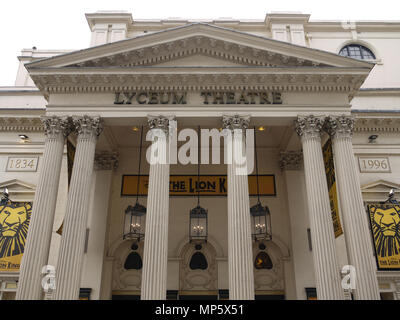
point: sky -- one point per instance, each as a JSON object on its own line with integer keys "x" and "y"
{"x": 56, "y": 24}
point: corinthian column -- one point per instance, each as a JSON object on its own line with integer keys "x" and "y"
{"x": 326, "y": 266}
{"x": 155, "y": 257}
{"x": 357, "y": 236}
{"x": 240, "y": 254}
{"x": 39, "y": 235}
{"x": 69, "y": 265}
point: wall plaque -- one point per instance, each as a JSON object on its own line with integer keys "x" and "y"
{"x": 374, "y": 164}
{"x": 22, "y": 164}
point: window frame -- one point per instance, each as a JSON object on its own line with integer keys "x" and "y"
{"x": 361, "y": 47}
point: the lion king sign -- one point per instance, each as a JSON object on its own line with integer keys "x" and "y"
{"x": 14, "y": 222}
{"x": 385, "y": 224}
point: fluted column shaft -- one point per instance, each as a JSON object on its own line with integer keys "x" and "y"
{"x": 70, "y": 259}
{"x": 40, "y": 228}
{"x": 155, "y": 256}
{"x": 327, "y": 273}
{"x": 240, "y": 254}
{"x": 358, "y": 239}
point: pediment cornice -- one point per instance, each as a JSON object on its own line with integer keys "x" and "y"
{"x": 203, "y": 45}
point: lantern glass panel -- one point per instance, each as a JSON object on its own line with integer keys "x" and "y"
{"x": 261, "y": 222}
{"x": 198, "y": 224}
{"x": 135, "y": 220}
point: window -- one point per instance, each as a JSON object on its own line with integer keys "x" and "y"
{"x": 357, "y": 51}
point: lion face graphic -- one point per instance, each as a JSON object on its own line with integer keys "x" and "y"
{"x": 14, "y": 221}
{"x": 386, "y": 229}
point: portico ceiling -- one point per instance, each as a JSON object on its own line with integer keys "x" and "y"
{"x": 270, "y": 137}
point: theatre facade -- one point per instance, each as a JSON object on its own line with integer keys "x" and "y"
{"x": 119, "y": 176}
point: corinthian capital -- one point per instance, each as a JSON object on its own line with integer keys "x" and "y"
{"x": 161, "y": 122}
{"x": 309, "y": 126}
{"x": 340, "y": 126}
{"x": 235, "y": 122}
{"x": 87, "y": 126}
{"x": 54, "y": 125}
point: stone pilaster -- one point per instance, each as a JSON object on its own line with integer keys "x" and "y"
{"x": 39, "y": 235}
{"x": 357, "y": 234}
{"x": 326, "y": 266}
{"x": 155, "y": 257}
{"x": 69, "y": 265}
{"x": 240, "y": 257}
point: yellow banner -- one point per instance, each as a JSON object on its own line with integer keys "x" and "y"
{"x": 209, "y": 185}
{"x": 14, "y": 222}
{"x": 385, "y": 225}
{"x": 331, "y": 179}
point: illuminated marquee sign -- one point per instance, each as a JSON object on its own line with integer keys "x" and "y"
{"x": 206, "y": 97}
{"x": 209, "y": 185}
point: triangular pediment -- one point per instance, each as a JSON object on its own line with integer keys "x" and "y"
{"x": 18, "y": 190}
{"x": 198, "y": 56}
{"x": 380, "y": 186}
{"x": 379, "y": 190}
{"x": 176, "y": 44}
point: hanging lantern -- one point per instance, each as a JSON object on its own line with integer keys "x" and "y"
{"x": 135, "y": 219}
{"x": 261, "y": 222}
{"x": 198, "y": 223}
{"x": 4, "y": 197}
{"x": 135, "y": 216}
{"x": 198, "y": 226}
{"x": 261, "y": 216}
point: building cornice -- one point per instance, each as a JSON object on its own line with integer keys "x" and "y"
{"x": 68, "y": 80}
{"x": 381, "y": 124}
{"x": 25, "y": 124}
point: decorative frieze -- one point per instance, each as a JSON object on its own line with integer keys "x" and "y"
{"x": 268, "y": 80}
{"x": 387, "y": 125}
{"x": 21, "y": 124}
